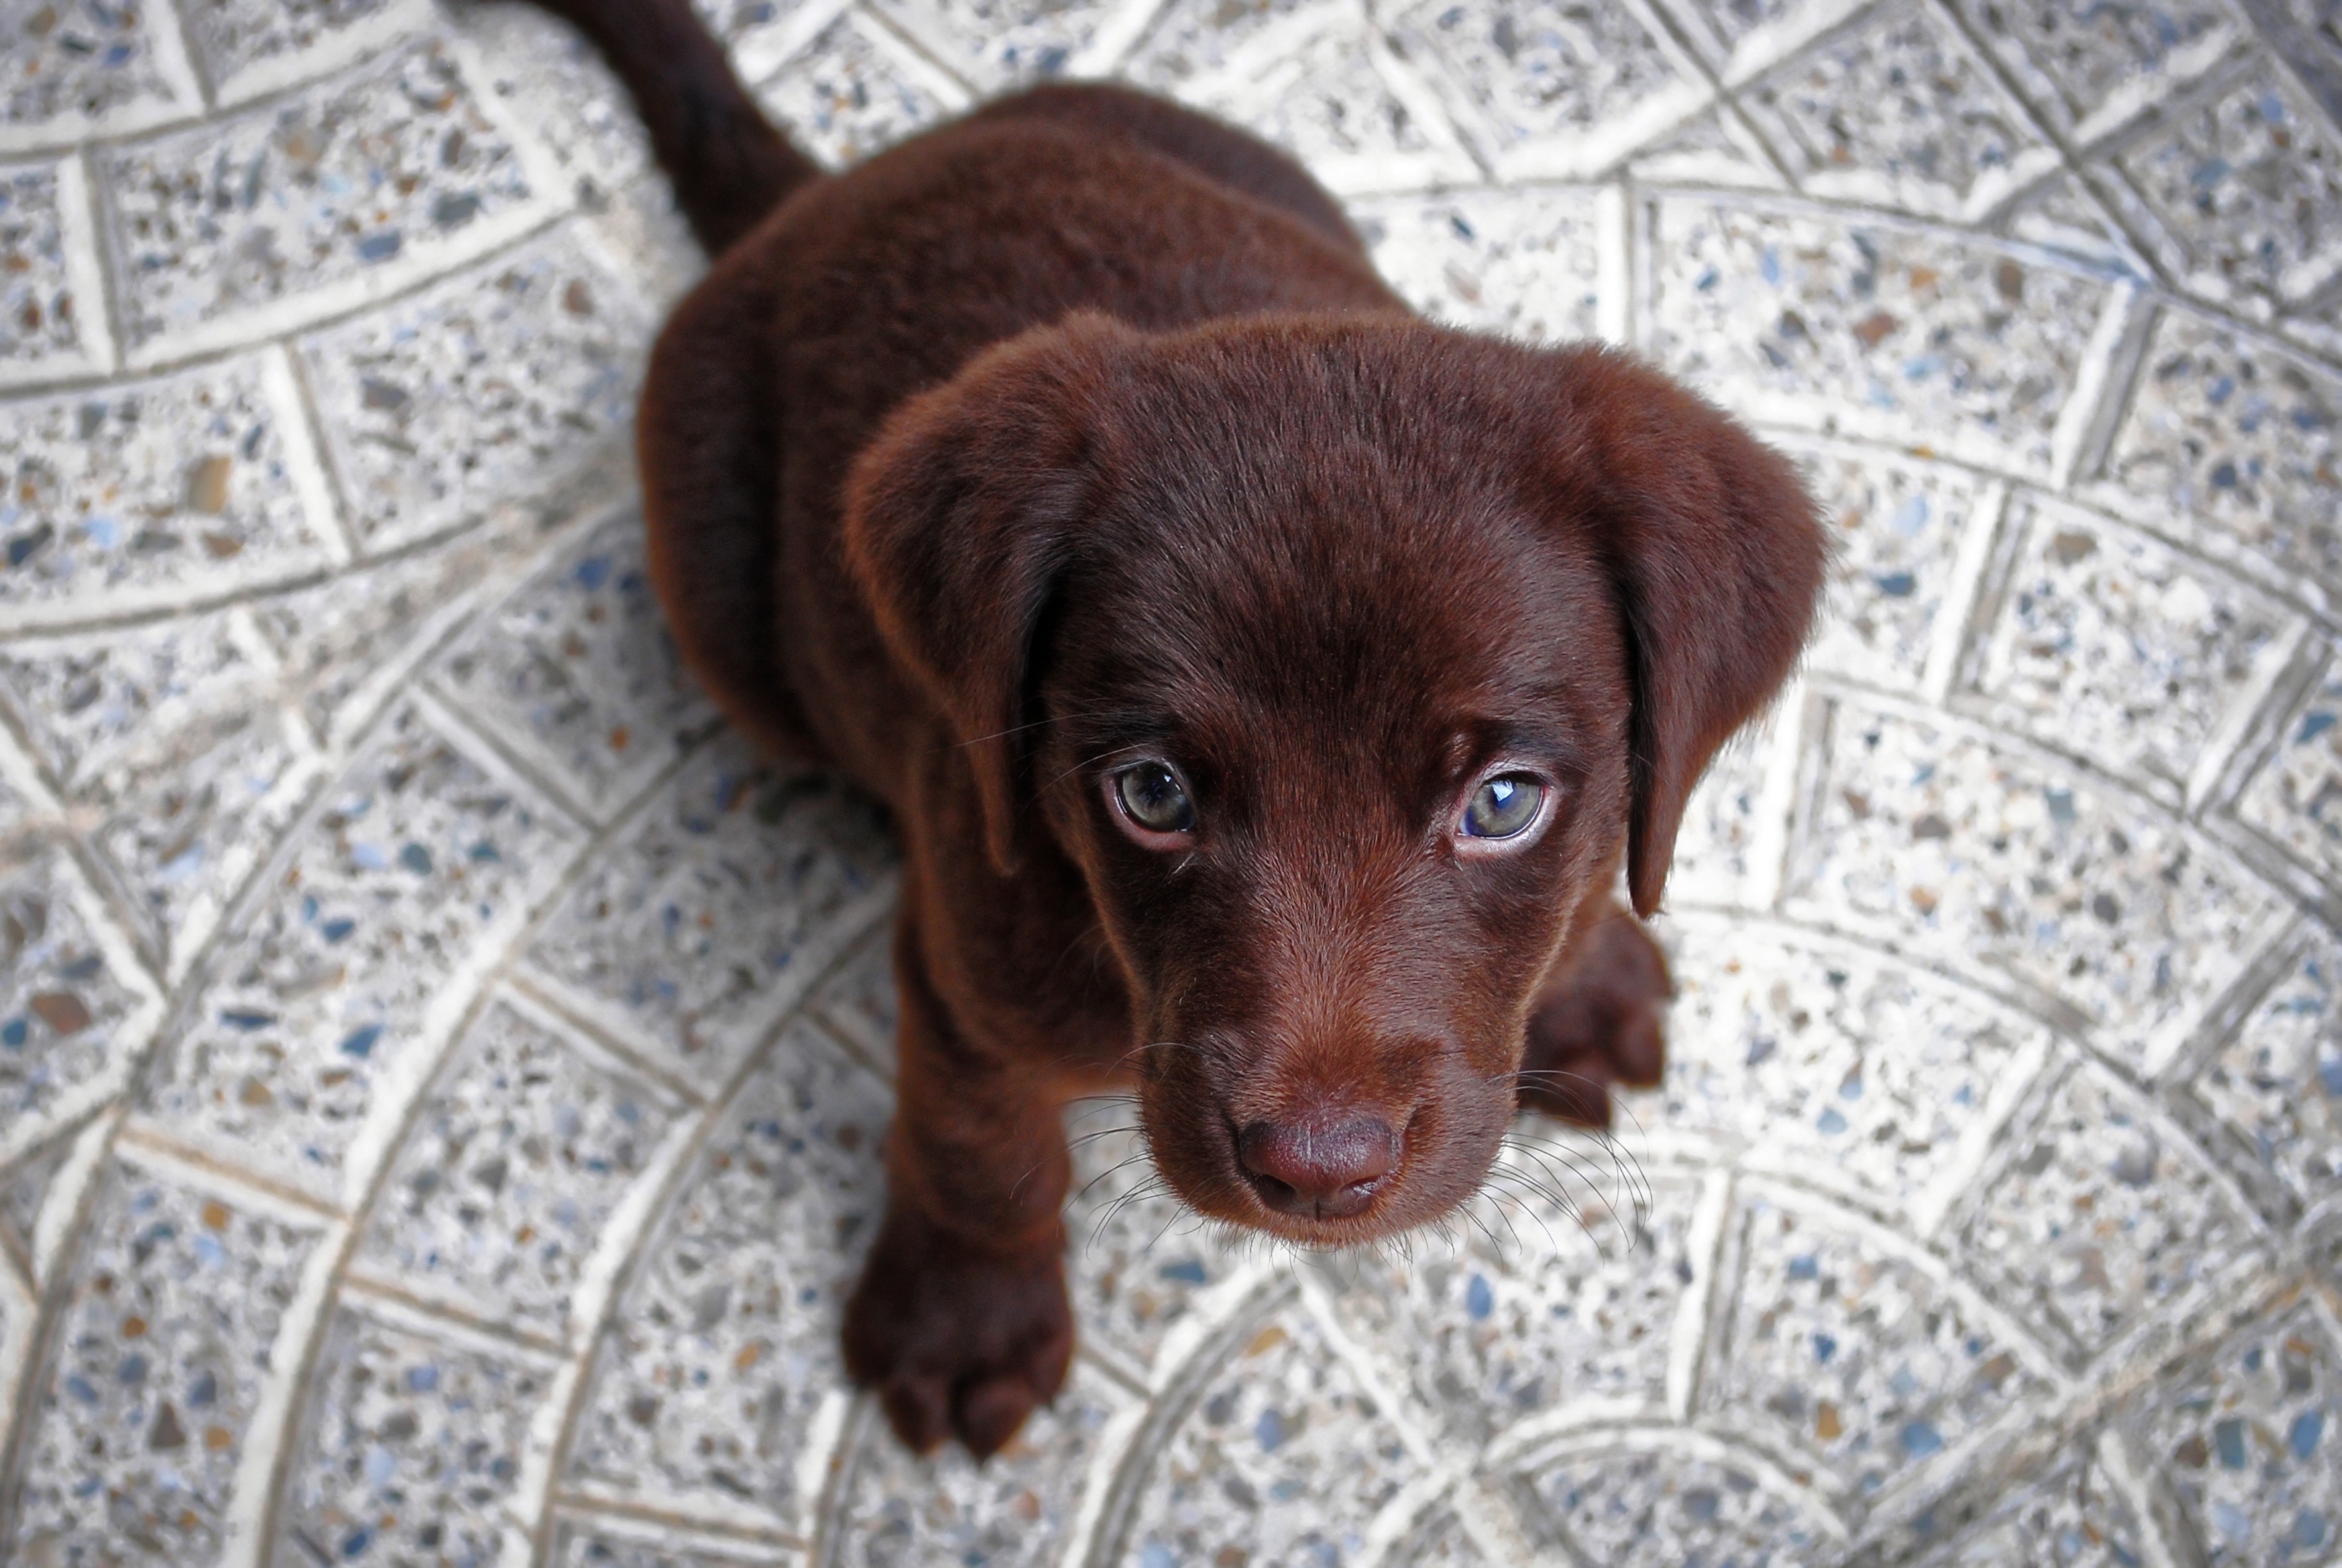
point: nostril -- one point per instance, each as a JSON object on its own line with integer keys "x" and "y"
{"x": 1329, "y": 1170}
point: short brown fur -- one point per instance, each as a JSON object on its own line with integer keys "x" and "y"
{"x": 1081, "y": 430}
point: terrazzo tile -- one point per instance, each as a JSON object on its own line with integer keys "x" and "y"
{"x": 1440, "y": 1541}
{"x": 1841, "y": 1067}
{"x": 1900, "y": 114}
{"x": 2246, "y": 1436}
{"x": 2010, "y": 866}
{"x": 858, "y": 1002}
{"x": 2063, "y": 214}
{"x": 409, "y": 1447}
{"x": 1525, "y": 266}
{"x": 188, "y": 826}
{"x": 313, "y": 203}
{"x": 1540, "y": 1306}
{"x": 138, "y": 1422}
{"x": 251, "y": 46}
{"x": 23, "y": 1193}
{"x": 578, "y": 1543}
{"x": 577, "y": 665}
{"x": 2294, "y": 798}
{"x": 2278, "y": 1083}
{"x": 1019, "y": 1509}
{"x": 2249, "y": 182}
{"x": 2088, "y": 66}
{"x": 548, "y": 78}
{"x": 1631, "y": 1506}
{"x": 725, "y": 1344}
{"x": 688, "y": 930}
{"x": 1320, "y": 84}
{"x": 1897, "y": 529}
{"x": 444, "y": 402}
{"x": 43, "y": 332}
{"x": 1285, "y": 1458}
{"x": 1000, "y": 43}
{"x": 1807, "y": 319}
{"x": 75, "y": 1012}
{"x": 162, "y": 491}
{"x": 2240, "y": 438}
{"x": 2115, "y": 647}
{"x": 761, "y": 35}
{"x": 855, "y": 91}
{"x": 1139, "y": 1264}
{"x": 348, "y": 644}
{"x": 81, "y": 66}
{"x": 420, "y": 862}
{"x": 97, "y": 701}
{"x": 1715, "y": 149}
{"x": 517, "y": 1159}
{"x": 2104, "y": 1214}
{"x": 1552, "y": 87}
{"x": 2075, "y": 1518}
{"x": 1199, "y": 38}
{"x": 1855, "y": 1354}
{"x": 1728, "y": 849}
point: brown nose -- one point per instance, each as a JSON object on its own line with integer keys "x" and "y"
{"x": 1328, "y": 1170}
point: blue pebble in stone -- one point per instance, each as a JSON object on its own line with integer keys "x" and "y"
{"x": 2229, "y": 1438}
{"x": 2307, "y": 1428}
{"x": 1920, "y": 1439}
{"x": 1479, "y": 1300}
{"x": 1269, "y": 1431}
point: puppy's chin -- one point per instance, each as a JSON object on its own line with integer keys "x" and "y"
{"x": 1446, "y": 1151}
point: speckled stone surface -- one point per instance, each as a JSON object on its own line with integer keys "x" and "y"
{"x": 442, "y": 1072}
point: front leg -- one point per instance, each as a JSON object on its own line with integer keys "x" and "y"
{"x": 1600, "y": 1020}
{"x": 960, "y": 1322}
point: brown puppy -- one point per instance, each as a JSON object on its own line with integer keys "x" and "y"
{"x": 1266, "y": 685}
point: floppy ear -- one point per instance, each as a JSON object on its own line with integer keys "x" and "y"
{"x": 959, "y": 517}
{"x": 1716, "y": 557}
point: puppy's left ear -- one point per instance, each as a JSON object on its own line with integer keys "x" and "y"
{"x": 960, "y": 516}
{"x": 1715, "y": 556}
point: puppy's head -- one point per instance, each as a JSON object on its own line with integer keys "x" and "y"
{"x": 1344, "y": 658}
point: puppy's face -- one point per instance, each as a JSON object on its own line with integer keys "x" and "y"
{"x": 1342, "y": 658}
{"x": 1338, "y": 749}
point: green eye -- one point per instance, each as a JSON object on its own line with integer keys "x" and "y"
{"x": 1151, "y": 795}
{"x": 1503, "y": 807}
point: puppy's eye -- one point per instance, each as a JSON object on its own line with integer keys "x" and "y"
{"x": 1152, "y": 796}
{"x": 1503, "y": 806}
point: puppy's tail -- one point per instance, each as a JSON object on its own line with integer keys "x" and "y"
{"x": 729, "y": 165}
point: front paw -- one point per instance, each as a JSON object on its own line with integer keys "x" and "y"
{"x": 955, "y": 1343}
{"x": 1600, "y": 1020}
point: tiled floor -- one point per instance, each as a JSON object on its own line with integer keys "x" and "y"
{"x": 440, "y": 1073}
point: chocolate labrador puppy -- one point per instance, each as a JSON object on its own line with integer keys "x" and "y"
{"x": 1267, "y": 684}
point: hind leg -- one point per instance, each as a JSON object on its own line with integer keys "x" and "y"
{"x": 706, "y": 442}
{"x": 1599, "y": 1021}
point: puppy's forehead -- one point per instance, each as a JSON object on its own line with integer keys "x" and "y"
{"x": 1378, "y": 613}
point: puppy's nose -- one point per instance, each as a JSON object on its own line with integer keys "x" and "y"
{"x": 1328, "y": 1170}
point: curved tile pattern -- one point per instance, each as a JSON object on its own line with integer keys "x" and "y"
{"x": 442, "y": 1074}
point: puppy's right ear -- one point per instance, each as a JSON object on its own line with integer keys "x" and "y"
{"x": 959, "y": 518}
